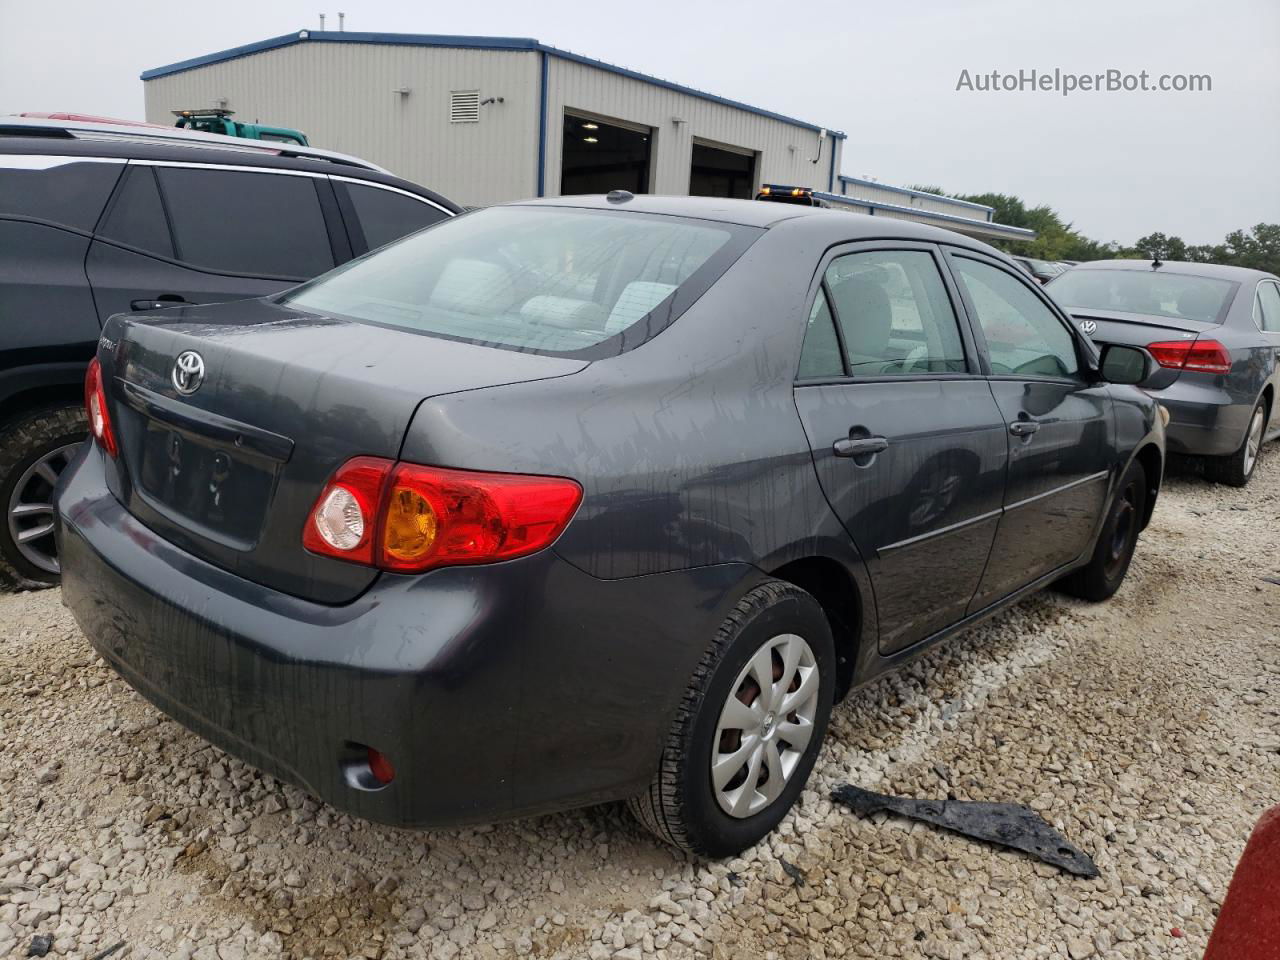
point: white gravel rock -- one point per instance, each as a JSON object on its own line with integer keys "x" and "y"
{"x": 1145, "y": 728}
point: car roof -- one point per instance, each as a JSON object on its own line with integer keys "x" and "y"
{"x": 106, "y": 130}
{"x": 13, "y": 142}
{"x": 837, "y": 225}
{"x": 1217, "y": 271}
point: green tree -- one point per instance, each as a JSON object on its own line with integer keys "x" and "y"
{"x": 1156, "y": 246}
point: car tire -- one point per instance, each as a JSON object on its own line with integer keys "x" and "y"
{"x": 1106, "y": 569}
{"x": 683, "y": 805}
{"x": 1236, "y": 469}
{"x": 34, "y": 446}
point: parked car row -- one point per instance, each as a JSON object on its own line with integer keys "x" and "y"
{"x": 554, "y": 503}
{"x": 1044, "y": 270}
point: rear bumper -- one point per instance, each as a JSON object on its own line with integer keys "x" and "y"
{"x": 496, "y": 691}
{"x": 1204, "y": 419}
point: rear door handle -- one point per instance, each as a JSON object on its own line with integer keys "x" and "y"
{"x": 864, "y": 446}
{"x": 1023, "y": 428}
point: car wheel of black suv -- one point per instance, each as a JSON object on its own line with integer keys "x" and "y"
{"x": 1236, "y": 469}
{"x": 749, "y": 728}
{"x": 1119, "y": 535}
{"x": 37, "y": 446}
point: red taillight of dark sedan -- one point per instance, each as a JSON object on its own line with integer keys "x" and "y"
{"x": 408, "y": 518}
{"x": 95, "y": 405}
{"x": 1198, "y": 356}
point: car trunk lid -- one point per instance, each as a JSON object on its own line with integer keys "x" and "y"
{"x": 230, "y": 468}
{"x": 1139, "y": 330}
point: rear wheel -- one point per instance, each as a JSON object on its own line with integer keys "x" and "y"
{"x": 36, "y": 448}
{"x": 1236, "y": 469}
{"x": 1111, "y": 556}
{"x": 749, "y": 728}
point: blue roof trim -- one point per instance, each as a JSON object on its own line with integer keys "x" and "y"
{"x": 915, "y": 193}
{"x": 467, "y": 43}
{"x": 1014, "y": 233}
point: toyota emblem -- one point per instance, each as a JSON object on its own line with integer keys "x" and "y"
{"x": 188, "y": 372}
{"x": 1088, "y": 327}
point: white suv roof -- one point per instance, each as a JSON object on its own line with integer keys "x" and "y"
{"x": 86, "y": 130}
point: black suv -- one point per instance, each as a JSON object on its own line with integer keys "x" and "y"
{"x": 97, "y": 220}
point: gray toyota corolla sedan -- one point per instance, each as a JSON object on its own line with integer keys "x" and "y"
{"x": 592, "y": 498}
{"x": 1214, "y": 332}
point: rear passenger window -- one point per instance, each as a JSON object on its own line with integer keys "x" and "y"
{"x": 386, "y": 215}
{"x": 1269, "y": 300}
{"x": 247, "y": 223}
{"x": 1023, "y": 335}
{"x": 820, "y": 355}
{"x": 58, "y": 189}
{"x": 894, "y": 314}
{"x": 136, "y": 217}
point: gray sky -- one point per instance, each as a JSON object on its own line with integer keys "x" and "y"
{"x": 1117, "y": 164}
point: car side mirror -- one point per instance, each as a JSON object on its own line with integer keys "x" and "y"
{"x": 1122, "y": 364}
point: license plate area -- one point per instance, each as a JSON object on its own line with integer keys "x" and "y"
{"x": 220, "y": 491}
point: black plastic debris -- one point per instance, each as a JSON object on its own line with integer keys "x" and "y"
{"x": 1007, "y": 824}
{"x": 102, "y": 955}
{"x": 40, "y": 946}
{"x": 792, "y": 871}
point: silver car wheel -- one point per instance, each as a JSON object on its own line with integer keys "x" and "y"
{"x": 765, "y": 725}
{"x": 1253, "y": 442}
{"x": 31, "y": 508}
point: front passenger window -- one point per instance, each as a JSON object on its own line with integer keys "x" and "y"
{"x": 1023, "y": 335}
{"x": 894, "y": 314}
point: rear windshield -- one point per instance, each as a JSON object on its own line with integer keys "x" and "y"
{"x": 1177, "y": 296}
{"x": 563, "y": 281}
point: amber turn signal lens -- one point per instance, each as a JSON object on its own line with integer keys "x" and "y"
{"x": 410, "y": 526}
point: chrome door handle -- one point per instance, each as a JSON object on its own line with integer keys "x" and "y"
{"x": 1023, "y": 428}
{"x": 864, "y": 446}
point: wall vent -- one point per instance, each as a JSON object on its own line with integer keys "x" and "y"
{"x": 464, "y": 106}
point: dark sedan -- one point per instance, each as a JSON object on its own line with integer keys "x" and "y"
{"x": 576, "y": 500}
{"x": 1214, "y": 332}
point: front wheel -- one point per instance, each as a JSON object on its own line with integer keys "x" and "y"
{"x": 749, "y": 727}
{"x": 1236, "y": 469}
{"x": 1111, "y": 557}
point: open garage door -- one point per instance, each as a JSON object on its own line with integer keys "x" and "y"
{"x": 721, "y": 172}
{"x": 599, "y": 157}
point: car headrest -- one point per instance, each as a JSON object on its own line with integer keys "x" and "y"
{"x": 566, "y": 312}
{"x": 637, "y": 299}
{"x": 866, "y": 317}
{"x": 473, "y": 286}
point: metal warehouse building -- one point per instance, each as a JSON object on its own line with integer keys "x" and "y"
{"x": 489, "y": 119}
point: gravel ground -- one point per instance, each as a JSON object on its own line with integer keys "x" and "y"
{"x": 1146, "y": 728}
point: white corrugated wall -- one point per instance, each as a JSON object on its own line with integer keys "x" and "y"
{"x": 342, "y": 96}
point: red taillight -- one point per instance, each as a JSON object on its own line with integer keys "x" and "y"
{"x": 409, "y": 518}
{"x": 95, "y": 405}
{"x": 380, "y": 766}
{"x": 343, "y": 523}
{"x": 1200, "y": 356}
